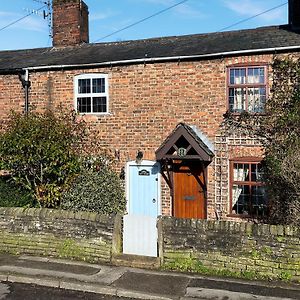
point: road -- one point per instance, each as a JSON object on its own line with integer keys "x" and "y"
{"x": 19, "y": 291}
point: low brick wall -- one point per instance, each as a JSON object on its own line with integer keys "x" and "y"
{"x": 223, "y": 247}
{"x": 83, "y": 236}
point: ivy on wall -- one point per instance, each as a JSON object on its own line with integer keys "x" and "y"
{"x": 279, "y": 132}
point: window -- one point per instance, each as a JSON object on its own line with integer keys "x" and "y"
{"x": 91, "y": 93}
{"x": 248, "y": 195}
{"x": 247, "y": 89}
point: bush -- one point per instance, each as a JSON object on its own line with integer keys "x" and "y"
{"x": 95, "y": 190}
{"x": 13, "y": 196}
{"x": 40, "y": 151}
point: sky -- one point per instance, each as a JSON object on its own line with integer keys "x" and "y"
{"x": 108, "y": 16}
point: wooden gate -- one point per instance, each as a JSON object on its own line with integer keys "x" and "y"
{"x": 143, "y": 207}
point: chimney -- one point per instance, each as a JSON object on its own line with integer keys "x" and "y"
{"x": 70, "y": 23}
{"x": 294, "y": 14}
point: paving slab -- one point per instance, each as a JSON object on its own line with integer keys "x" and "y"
{"x": 256, "y": 289}
{"x": 153, "y": 283}
{"x": 216, "y": 294}
{"x": 54, "y": 266}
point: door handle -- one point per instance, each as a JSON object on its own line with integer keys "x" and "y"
{"x": 153, "y": 200}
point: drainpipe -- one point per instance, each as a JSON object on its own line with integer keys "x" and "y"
{"x": 26, "y": 85}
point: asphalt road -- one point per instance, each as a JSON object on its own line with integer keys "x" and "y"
{"x": 19, "y": 291}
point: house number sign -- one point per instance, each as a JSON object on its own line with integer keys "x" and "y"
{"x": 181, "y": 152}
{"x": 144, "y": 173}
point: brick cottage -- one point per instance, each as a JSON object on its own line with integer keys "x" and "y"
{"x": 159, "y": 104}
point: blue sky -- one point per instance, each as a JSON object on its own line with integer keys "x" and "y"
{"x": 107, "y": 16}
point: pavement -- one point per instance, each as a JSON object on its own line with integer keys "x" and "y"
{"x": 136, "y": 283}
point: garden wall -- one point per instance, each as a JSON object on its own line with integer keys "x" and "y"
{"x": 83, "y": 236}
{"x": 205, "y": 246}
{"x": 230, "y": 248}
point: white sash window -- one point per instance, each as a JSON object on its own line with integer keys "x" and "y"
{"x": 91, "y": 93}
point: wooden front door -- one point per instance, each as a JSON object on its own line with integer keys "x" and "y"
{"x": 189, "y": 190}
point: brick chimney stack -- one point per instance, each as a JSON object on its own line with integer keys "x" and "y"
{"x": 70, "y": 23}
{"x": 294, "y": 14}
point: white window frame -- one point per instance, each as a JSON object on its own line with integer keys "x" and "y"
{"x": 77, "y": 95}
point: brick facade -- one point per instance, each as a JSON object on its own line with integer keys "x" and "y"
{"x": 146, "y": 102}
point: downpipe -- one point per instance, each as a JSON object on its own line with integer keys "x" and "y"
{"x": 24, "y": 78}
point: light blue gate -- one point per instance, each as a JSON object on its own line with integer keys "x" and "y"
{"x": 143, "y": 207}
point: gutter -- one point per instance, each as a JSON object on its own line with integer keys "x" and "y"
{"x": 149, "y": 60}
{"x": 162, "y": 59}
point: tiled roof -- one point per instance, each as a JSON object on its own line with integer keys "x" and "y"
{"x": 210, "y": 44}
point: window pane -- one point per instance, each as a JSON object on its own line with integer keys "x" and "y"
{"x": 99, "y": 104}
{"x": 84, "y": 86}
{"x": 241, "y": 199}
{"x": 256, "y": 99}
{"x": 84, "y": 105}
{"x": 256, "y": 75}
{"x": 256, "y": 172}
{"x": 99, "y": 85}
{"x": 240, "y": 172}
{"x": 238, "y": 76}
{"x": 237, "y": 99}
{"x": 258, "y": 201}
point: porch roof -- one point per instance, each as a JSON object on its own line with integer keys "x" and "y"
{"x": 193, "y": 143}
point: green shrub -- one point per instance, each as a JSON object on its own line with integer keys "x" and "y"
{"x": 96, "y": 190}
{"x": 40, "y": 151}
{"x": 13, "y": 196}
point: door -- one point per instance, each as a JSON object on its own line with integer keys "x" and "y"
{"x": 143, "y": 207}
{"x": 189, "y": 190}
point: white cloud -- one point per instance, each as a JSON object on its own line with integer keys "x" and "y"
{"x": 33, "y": 24}
{"x": 4, "y": 14}
{"x": 182, "y": 10}
{"x": 30, "y": 23}
{"x": 187, "y": 11}
{"x": 102, "y": 15}
{"x": 163, "y": 2}
{"x": 249, "y": 8}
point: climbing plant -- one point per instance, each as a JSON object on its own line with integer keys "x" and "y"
{"x": 279, "y": 132}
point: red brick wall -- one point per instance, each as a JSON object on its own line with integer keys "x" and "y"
{"x": 146, "y": 103}
{"x": 11, "y": 95}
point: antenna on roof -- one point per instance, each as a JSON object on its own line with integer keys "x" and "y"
{"x": 46, "y": 14}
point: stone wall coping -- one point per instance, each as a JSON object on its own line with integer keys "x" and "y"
{"x": 53, "y": 214}
{"x": 244, "y": 228}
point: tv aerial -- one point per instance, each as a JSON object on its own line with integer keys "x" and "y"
{"x": 46, "y": 13}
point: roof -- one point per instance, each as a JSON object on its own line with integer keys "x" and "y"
{"x": 262, "y": 39}
{"x": 191, "y": 140}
